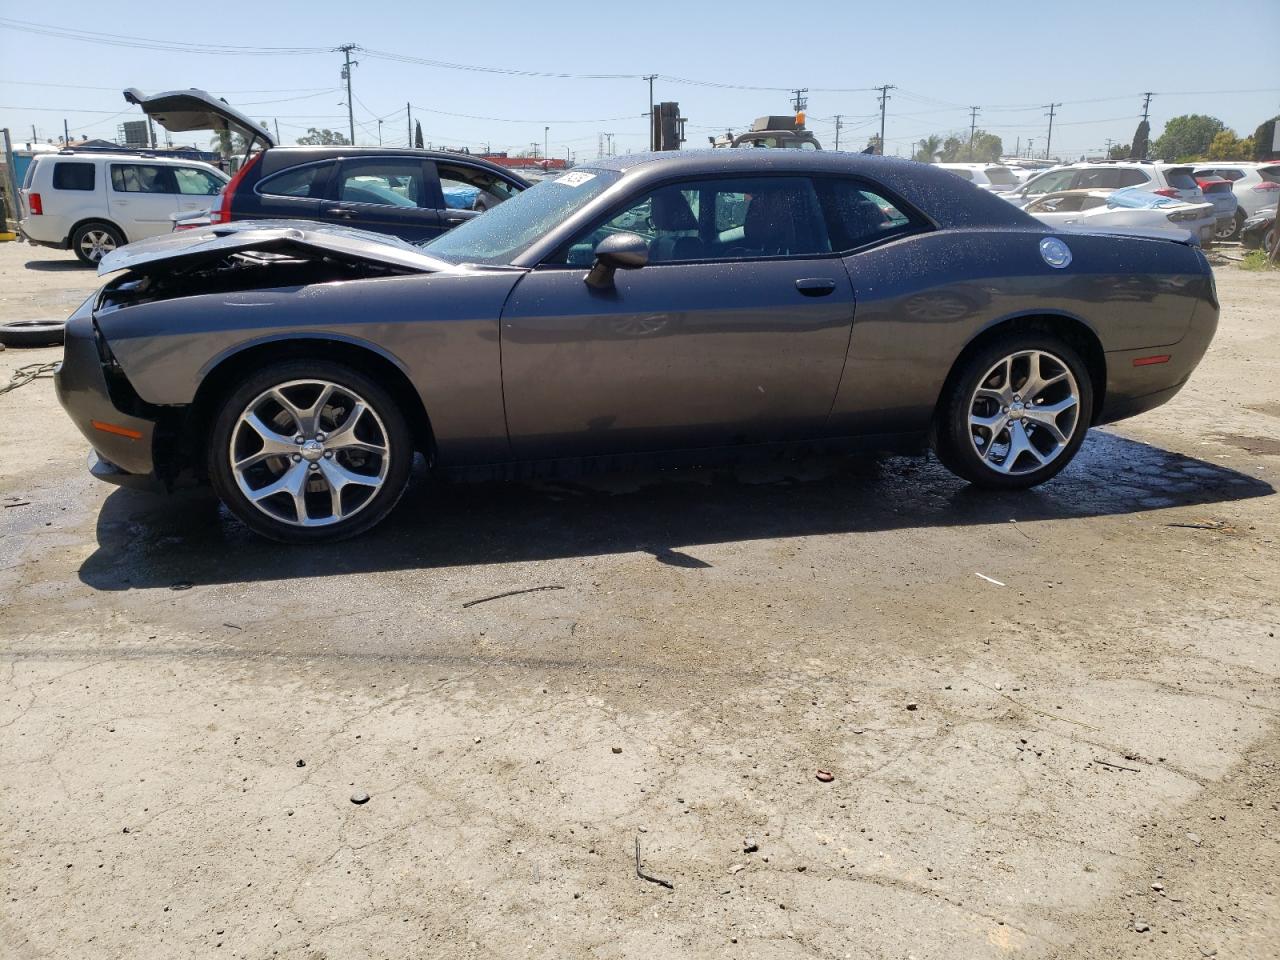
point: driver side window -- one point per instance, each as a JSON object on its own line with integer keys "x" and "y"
{"x": 723, "y": 219}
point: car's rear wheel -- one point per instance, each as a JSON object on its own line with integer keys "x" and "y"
{"x": 310, "y": 451}
{"x": 94, "y": 240}
{"x": 1016, "y": 412}
{"x": 1232, "y": 230}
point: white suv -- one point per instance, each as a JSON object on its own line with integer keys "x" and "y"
{"x": 1167, "y": 179}
{"x": 1256, "y": 186}
{"x": 94, "y": 202}
{"x": 993, "y": 177}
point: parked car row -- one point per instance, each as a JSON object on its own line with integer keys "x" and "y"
{"x": 93, "y": 203}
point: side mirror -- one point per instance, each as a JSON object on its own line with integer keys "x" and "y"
{"x": 620, "y": 251}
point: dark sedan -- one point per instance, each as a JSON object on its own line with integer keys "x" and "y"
{"x": 411, "y": 194}
{"x": 675, "y": 306}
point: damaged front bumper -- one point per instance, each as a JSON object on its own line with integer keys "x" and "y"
{"x": 123, "y": 440}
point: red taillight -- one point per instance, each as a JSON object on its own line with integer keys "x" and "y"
{"x": 223, "y": 213}
{"x": 1267, "y": 185}
{"x": 36, "y": 205}
{"x": 1166, "y": 192}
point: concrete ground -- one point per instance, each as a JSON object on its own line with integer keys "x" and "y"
{"x": 1051, "y": 717}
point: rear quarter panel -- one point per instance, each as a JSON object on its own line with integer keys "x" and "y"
{"x": 441, "y": 330}
{"x": 922, "y": 299}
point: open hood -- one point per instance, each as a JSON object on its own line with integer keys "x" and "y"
{"x": 271, "y": 236}
{"x": 181, "y": 110}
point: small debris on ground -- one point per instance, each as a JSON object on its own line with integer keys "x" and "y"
{"x": 359, "y": 797}
{"x": 616, "y": 749}
{"x": 749, "y": 845}
{"x": 1141, "y": 926}
{"x": 826, "y": 776}
{"x": 644, "y": 876}
{"x": 912, "y": 705}
{"x": 301, "y": 763}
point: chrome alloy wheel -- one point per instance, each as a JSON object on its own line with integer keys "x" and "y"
{"x": 1024, "y": 412}
{"x": 309, "y": 453}
{"x": 96, "y": 244}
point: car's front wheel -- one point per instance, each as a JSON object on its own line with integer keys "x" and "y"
{"x": 308, "y": 451}
{"x": 1015, "y": 413}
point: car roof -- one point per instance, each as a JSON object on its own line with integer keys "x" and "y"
{"x": 283, "y": 157}
{"x": 939, "y": 194}
{"x": 134, "y": 157}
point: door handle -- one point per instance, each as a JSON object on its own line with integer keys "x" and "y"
{"x": 340, "y": 212}
{"x": 816, "y": 286}
{"x": 455, "y": 220}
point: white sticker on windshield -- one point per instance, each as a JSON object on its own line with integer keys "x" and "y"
{"x": 574, "y": 179}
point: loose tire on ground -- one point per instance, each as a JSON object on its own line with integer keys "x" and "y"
{"x": 309, "y": 451}
{"x": 991, "y": 412}
{"x": 32, "y": 333}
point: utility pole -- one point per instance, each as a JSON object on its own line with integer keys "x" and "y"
{"x": 33, "y": 135}
{"x": 1017, "y": 151}
{"x": 408, "y": 112}
{"x": 1030, "y": 141}
{"x": 653, "y": 133}
{"x": 838, "y": 125}
{"x": 1108, "y": 149}
{"x": 346, "y": 49}
{"x": 798, "y": 98}
{"x": 379, "y": 131}
{"x": 1146, "y": 105}
{"x": 66, "y": 133}
{"x": 973, "y": 127}
{"x": 546, "y": 142}
{"x": 277, "y": 123}
{"x": 884, "y": 99}
{"x": 1053, "y": 108}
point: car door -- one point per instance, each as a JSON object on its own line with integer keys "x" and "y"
{"x": 735, "y": 331}
{"x": 142, "y": 199}
{"x": 396, "y": 195}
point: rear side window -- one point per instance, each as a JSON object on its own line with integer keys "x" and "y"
{"x": 1101, "y": 178}
{"x": 960, "y": 172}
{"x": 1230, "y": 173}
{"x": 1132, "y": 178}
{"x": 1180, "y": 178}
{"x": 856, "y": 215}
{"x": 74, "y": 176}
{"x": 142, "y": 178}
{"x": 304, "y": 182}
{"x": 1001, "y": 176}
{"x": 1269, "y": 174}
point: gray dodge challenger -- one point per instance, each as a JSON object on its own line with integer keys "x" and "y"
{"x": 674, "y": 307}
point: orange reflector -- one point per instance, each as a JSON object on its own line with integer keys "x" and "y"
{"x": 118, "y": 431}
{"x": 1147, "y": 361}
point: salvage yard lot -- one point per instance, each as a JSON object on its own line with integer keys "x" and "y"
{"x": 1051, "y": 716}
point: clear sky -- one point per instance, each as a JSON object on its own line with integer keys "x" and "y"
{"x": 1095, "y": 58}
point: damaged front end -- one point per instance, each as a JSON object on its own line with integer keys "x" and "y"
{"x": 147, "y": 442}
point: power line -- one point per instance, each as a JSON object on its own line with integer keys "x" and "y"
{"x": 117, "y": 40}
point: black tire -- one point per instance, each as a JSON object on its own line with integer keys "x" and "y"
{"x": 83, "y": 235}
{"x": 1236, "y": 223}
{"x": 388, "y": 419}
{"x": 32, "y": 333}
{"x": 953, "y": 436}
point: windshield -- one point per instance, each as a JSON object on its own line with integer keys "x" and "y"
{"x": 500, "y": 235}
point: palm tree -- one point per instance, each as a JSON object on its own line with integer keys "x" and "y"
{"x": 929, "y": 148}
